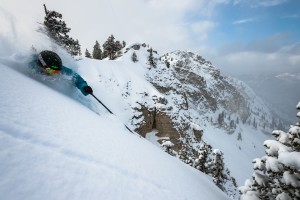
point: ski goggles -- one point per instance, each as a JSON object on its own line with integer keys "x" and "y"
{"x": 52, "y": 70}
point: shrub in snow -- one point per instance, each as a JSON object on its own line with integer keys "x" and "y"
{"x": 167, "y": 146}
{"x": 134, "y": 57}
{"x": 277, "y": 174}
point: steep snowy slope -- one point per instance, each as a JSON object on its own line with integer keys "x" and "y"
{"x": 55, "y": 147}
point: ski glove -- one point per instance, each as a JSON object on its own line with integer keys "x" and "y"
{"x": 88, "y": 90}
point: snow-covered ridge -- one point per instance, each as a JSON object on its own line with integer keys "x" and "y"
{"x": 210, "y": 91}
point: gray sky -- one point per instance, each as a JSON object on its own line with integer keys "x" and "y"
{"x": 240, "y": 36}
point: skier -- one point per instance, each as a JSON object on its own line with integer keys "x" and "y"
{"x": 49, "y": 63}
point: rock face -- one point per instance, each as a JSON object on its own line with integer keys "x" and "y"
{"x": 192, "y": 89}
{"x": 152, "y": 118}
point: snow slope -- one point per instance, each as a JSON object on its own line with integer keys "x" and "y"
{"x": 53, "y": 146}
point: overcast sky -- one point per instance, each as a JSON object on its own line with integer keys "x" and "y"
{"x": 235, "y": 35}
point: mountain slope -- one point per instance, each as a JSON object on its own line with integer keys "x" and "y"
{"x": 54, "y": 147}
{"x": 180, "y": 100}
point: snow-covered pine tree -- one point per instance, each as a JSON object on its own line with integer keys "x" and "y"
{"x": 201, "y": 161}
{"x": 58, "y": 31}
{"x": 277, "y": 174}
{"x": 218, "y": 168}
{"x": 87, "y": 54}
{"x": 186, "y": 152}
{"x": 134, "y": 57}
{"x": 97, "y": 52}
{"x": 112, "y": 49}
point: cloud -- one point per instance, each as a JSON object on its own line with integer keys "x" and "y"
{"x": 243, "y": 21}
{"x": 176, "y": 5}
{"x": 292, "y": 16}
{"x": 167, "y": 25}
{"x": 269, "y": 44}
{"x": 164, "y": 24}
{"x": 274, "y": 54}
{"x": 257, "y": 63}
{"x": 284, "y": 59}
{"x": 202, "y": 28}
{"x": 207, "y": 8}
{"x": 259, "y": 3}
{"x": 268, "y": 3}
{"x": 294, "y": 60}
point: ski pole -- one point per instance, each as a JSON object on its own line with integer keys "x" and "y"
{"x": 108, "y": 110}
{"x": 102, "y": 104}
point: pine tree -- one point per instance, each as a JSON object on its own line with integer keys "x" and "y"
{"x": 97, "y": 52}
{"x": 221, "y": 117}
{"x": 87, "y": 54}
{"x": 58, "y": 31}
{"x": 74, "y": 49}
{"x": 151, "y": 59}
{"x": 185, "y": 154}
{"x": 218, "y": 168}
{"x": 277, "y": 174}
{"x": 134, "y": 57}
{"x": 201, "y": 161}
{"x": 117, "y": 50}
{"x": 232, "y": 124}
{"x": 239, "y": 137}
{"x": 112, "y": 49}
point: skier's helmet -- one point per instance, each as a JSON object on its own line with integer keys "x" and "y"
{"x": 50, "y": 62}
